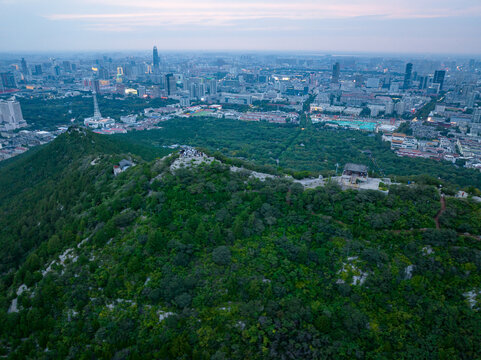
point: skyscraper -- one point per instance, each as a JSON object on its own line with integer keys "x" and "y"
{"x": 24, "y": 67}
{"x": 336, "y": 71}
{"x": 155, "y": 60}
{"x": 213, "y": 87}
{"x": 423, "y": 82}
{"x": 96, "y": 86}
{"x": 439, "y": 78}
{"x": 7, "y": 81}
{"x": 171, "y": 84}
{"x": 67, "y": 66}
{"x": 38, "y": 70}
{"x": 104, "y": 73}
{"x": 407, "y": 76}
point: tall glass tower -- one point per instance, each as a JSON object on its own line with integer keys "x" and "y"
{"x": 155, "y": 59}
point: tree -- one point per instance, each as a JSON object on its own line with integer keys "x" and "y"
{"x": 54, "y": 245}
{"x": 201, "y": 233}
{"x": 221, "y": 255}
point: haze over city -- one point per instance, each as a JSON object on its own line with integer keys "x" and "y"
{"x": 240, "y": 179}
{"x": 425, "y": 26}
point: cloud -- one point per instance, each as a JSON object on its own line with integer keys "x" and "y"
{"x": 420, "y": 25}
{"x": 147, "y": 13}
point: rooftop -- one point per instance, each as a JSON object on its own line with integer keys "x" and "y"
{"x": 356, "y": 168}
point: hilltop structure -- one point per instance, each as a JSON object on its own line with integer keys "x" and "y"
{"x": 354, "y": 173}
{"x": 98, "y": 121}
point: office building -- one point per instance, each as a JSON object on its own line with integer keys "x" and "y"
{"x": 477, "y": 116}
{"x": 336, "y": 71}
{"x": 24, "y": 67}
{"x": 7, "y": 81}
{"x": 213, "y": 87}
{"x": 38, "y": 70}
{"x": 423, "y": 82}
{"x": 96, "y": 86}
{"x": 171, "y": 84}
{"x": 67, "y": 66}
{"x": 197, "y": 91}
{"x": 407, "y": 76}
{"x": 104, "y": 73}
{"x": 155, "y": 60}
{"x": 439, "y": 78}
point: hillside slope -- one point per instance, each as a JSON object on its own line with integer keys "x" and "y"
{"x": 207, "y": 263}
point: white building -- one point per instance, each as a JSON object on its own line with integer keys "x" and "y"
{"x": 129, "y": 119}
{"x": 11, "y": 117}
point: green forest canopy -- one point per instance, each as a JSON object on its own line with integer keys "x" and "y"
{"x": 206, "y": 263}
{"x": 314, "y": 148}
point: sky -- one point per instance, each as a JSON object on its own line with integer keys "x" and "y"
{"x": 381, "y": 26}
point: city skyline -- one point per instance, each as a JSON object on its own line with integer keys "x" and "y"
{"x": 426, "y": 26}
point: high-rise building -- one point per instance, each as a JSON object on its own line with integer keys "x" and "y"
{"x": 67, "y": 66}
{"x": 423, "y": 82}
{"x": 470, "y": 99}
{"x": 407, "y": 76}
{"x": 96, "y": 86}
{"x": 184, "y": 101}
{"x": 439, "y": 78}
{"x": 155, "y": 60}
{"x": 477, "y": 116}
{"x": 38, "y": 70}
{"x": 213, "y": 87}
{"x": 171, "y": 84}
{"x": 336, "y": 71}
{"x": 104, "y": 73}
{"x": 24, "y": 67}
{"x": 197, "y": 90}
{"x": 11, "y": 117}
{"x": 7, "y": 81}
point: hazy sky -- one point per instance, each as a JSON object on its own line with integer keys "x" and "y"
{"x": 421, "y": 26}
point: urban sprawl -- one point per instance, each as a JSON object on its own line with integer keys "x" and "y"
{"x": 429, "y": 108}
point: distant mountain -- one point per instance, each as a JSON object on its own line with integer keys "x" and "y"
{"x": 172, "y": 261}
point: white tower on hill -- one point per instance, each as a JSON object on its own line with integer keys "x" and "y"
{"x": 97, "y": 114}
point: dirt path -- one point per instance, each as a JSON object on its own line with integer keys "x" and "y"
{"x": 440, "y": 212}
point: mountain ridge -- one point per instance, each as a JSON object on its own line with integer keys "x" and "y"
{"x": 203, "y": 262}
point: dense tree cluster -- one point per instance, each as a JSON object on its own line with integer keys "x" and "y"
{"x": 206, "y": 263}
{"x": 314, "y": 149}
{"x": 64, "y": 111}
